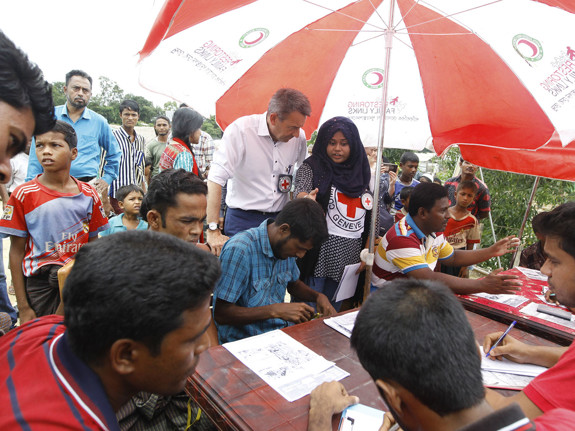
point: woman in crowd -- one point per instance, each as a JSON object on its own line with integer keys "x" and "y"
{"x": 186, "y": 125}
{"x": 337, "y": 176}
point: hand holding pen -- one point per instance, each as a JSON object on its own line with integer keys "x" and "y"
{"x": 500, "y": 338}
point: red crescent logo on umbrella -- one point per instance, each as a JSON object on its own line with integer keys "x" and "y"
{"x": 373, "y": 78}
{"x": 527, "y": 47}
{"x": 253, "y": 37}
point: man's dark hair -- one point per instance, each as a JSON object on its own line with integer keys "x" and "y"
{"x": 68, "y": 131}
{"x": 132, "y": 105}
{"x": 425, "y": 195}
{"x": 408, "y": 156}
{"x": 306, "y": 220}
{"x": 184, "y": 122}
{"x": 162, "y": 117}
{"x": 22, "y": 85}
{"x": 405, "y": 193}
{"x": 287, "y": 100}
{"x": 467, "y": 185}
{"x": 415, "y": 332}
{"x": 164, "y": 188}
{"x": 536, "y": 221}
{"x": 115, "y": 290}
{"x": 124, "y": 191}
{"x": 560, "y": 223}
{"x": 80, "y": 73}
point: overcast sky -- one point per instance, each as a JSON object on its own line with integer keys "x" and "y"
{"x": 101, "y": 37}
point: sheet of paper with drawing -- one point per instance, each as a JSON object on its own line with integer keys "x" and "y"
{"x": 285, "y": 364}
{"x": 511, "y": 300}
{"x": 348, "y": 283}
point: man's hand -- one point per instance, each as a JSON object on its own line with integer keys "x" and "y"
{"x": 324, "y": 307}
{"x": 388, "y": 423}
{"x": 392, "y": 177}
{"x": 551, "y": 298}
{"x": 101, "y": 185}
{"x": 509, "y": 348}
{"x": 497, "y": 284}
{"x": 326, "y": 400}
{"x": 296, "y": 312}
{"x": 216, "y": 241}
{"x": 26, "y": 314}
{"x": 505, "y": 245}
{"x": 310, "y": 195}
{"x": 464, "y": 272}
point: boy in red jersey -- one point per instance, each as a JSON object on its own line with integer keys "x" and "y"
{"x": 49, "y": 219}
{"x": 462, "y": 230}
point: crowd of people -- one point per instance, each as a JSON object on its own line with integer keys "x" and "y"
{"x": 159, "y": 263}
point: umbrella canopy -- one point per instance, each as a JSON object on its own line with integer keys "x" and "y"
{"x": 497, "y": 73}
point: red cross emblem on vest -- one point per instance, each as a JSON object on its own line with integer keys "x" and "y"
{"x": 352, "y": 204}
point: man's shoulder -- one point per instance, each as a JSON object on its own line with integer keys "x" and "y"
{"x": 94, "y": 116}
{"x": 247, "y": 239}
{"x": 450, "y": 182}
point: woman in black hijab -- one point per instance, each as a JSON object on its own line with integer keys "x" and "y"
{"x": 337, "y": 176}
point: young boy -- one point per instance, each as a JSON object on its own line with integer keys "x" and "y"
{"x": 408, "y": 163}
{"x": 130, "y": 200}
{"x": 462, "y": 230}
{"x": 404, "y": 197}
{"x": 49, "y": 219}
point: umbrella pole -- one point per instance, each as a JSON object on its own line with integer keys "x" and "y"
{"x": 524, "y": 222}
{"x": 491, "y": 220}
{"x": 375, "y": 211}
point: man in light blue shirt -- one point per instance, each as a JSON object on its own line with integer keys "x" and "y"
{"x": 94, "y": 135}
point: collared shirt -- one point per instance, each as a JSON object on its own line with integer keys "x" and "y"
{"x": 154, "y": 150}
{"x": 132, "y": 162}
{"x": 253, "y": 163}
{"x": 204, "y": 151}
{"x": 481, "y": 203}
{"x": 405, "y": 248}
{"x": 45, "y": 386}
{"x": 94, "y": 136}
{"x": 252, "y": 277}
{"x": 117, "y": 225}
{"x": 19, "y": 165}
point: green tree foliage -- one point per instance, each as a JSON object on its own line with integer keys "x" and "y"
{"x": 58, "y": 93}
{"x": 509, "y": 197}
{"x": 172, "y": 105}
{"x": 107, "y": 101}
{"x": 211, "y": 127}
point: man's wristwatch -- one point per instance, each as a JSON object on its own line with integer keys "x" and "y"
{"x": 213, "y": 226}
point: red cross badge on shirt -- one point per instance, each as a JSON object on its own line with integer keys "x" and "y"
{"x": 351, "y": 203}
{"x": 284, "y": 183}
{"x": 367, "y": 200}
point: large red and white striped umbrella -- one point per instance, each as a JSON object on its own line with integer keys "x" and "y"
{"x": 498, "y": 74}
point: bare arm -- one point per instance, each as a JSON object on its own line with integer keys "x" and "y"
{"x": 214, "y": 238}
{"x": 302, "y": 291}
{"x": 523, "y": 353}
{"x": 16, "y": 256}
{"x": 498, "y": 401}
{"x": 493, "y": 283}
{"x": 471, "y": 257}
{"x": 227, "y": 313}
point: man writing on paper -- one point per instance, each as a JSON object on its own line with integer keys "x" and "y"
{"x": 412, "y": 247}
{"x": 413, "y": 338}
{"x": 553, "y": 388}
{"x": 258, "y": 265}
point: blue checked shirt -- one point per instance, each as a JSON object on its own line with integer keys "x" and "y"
{"x": 252, "y": 277}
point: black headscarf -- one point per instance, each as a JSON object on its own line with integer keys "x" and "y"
{"x": 350, "y": 177}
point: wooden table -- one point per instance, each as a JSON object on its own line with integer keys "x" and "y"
{"x": 560, "y": 334}
{"x": 237, "y": 399}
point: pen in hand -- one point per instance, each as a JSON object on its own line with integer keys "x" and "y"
{"x": 501, "y": 338}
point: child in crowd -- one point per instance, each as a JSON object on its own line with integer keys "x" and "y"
{"x": 130, "y": 200}
{"x": 49, "y": 219}
{"x": 534, "y": 256}
{"x": 462, "y": 230}
{"x": 404, "y": 197}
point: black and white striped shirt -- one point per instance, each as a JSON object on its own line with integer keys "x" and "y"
{"x": 132, "y": 163}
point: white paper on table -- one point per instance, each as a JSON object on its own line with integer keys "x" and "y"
{"x": 285, "y": 364}
{"x": 493, "y": 379}
{"x": 342, "y": 324}
{"x": 533, "y": 274}
{"x": 361, "y": 417}
{"x": 511, "y": 300}
{"x": 347, "y": 284}
{"x": 509, "y": 367}
{"x": 531, "y": 310}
